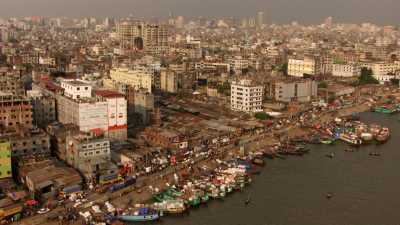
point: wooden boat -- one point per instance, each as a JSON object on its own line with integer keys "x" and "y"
{"x": 142, "y": 215}
{"x": 383, "y": 135}
{"x": 351, "y": 139}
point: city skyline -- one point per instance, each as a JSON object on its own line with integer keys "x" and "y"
{"x": 283, "y": 11}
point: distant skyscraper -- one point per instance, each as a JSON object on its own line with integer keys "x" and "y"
{"x": 260, "y": 19}
{"x": 328, "y": 21}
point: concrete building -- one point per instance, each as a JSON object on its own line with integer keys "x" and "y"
{"x": 15, "y": 112}
{"x": 11, "y": 82}
{"x": 76, "y": 89}
{"x": 292, "y": 90}
{"x": 144, "y": 105}
{"x": 88, "y": 114}
{"x": 89, "y": 154}
{"x": 44, "y": 108}
{"x": 134, "y": 78}
{"x": 381, "y": 68}
{"x": 246, "y": 96}
{"x": 5, "y": 159}
{"x": 238, "y": 64}
{"x": 58, "y": 137}
{"x": 169, "y": 81}
{"x": 29, "y": 144}
{"x": 346, "y": 70}
{"x": 152, "y": 38}
{"x": 299, "y": 67}
{"x": 117, "y": 109}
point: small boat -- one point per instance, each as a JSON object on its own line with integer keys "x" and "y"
{"x": 329, "y": 195}
{"x": 367, "y": 136}
{"x": 383, "y": 135}
{"x": 352, "y": 139}
{"x": 248, "y": 200}
{"x": 349, "y": 150}
{"x": 331, "y": 155}
{"x": 375, "y": 154}
{"x": 205, "y": 198}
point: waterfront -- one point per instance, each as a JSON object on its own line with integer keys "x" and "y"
{"x": 292, "y": 191}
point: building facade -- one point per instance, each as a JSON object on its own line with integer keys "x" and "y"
{"x": 300, "y": 67}
{"x": 246, "y": 96}
{"x": 15, "y": 112}
{"x": 346, "y": 70}
{"x": 292, "y": 90}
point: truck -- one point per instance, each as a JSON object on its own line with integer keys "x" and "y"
{"x": 128, "y": 182}
{"x": 73, "y": 189}
{"x": 109, "y": 179}
{"x": 12, "y": 210}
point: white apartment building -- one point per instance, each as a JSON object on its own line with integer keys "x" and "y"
{"x": 299, "y": 67}
{"x": 76, "y": 89}
{"x": 346, "y": 70}
{"x": 134, "y": 78}
{"x": 246, "y": 96}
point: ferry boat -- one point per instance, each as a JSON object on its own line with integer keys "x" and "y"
{"x": 351, "y": 139}
{"x": 383, "y": 135}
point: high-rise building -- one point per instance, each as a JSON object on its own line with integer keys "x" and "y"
{"x": 153, "y": 38}
{"x": 260, "y": 19}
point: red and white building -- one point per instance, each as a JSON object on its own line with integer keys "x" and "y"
{"x": 116, "y": 113}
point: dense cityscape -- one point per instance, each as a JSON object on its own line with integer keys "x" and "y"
{"x": 118, "y": 120}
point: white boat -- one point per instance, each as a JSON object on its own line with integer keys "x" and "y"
{"x": 367, "y": 136}
{"x": 351, "y": 139}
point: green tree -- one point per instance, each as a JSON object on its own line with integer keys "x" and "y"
{"x": 323, "y": 84}
{"x": 262, "y": 116}
{"x": 367, "y": 77}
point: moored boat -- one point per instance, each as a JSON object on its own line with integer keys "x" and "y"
{"x": 350, "y": 139}
{"x": 383, "y": 135}
{"x": 142, "y": 215}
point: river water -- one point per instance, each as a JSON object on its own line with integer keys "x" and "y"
{"x": 293, "y": 191}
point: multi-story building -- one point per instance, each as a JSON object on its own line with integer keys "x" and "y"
{"x": 89, "y": 154}
{"x": 346, "y": 70}
{"x": 246, "y": 96}
{"x": 58, "y": 137}
{"x": 144, "y": 105}
{"x": 169, "y": 81}
{"x": 11, "y": 82}
{"x": 29, "y": 144}
{"x": 300, "y": 67}
{"x": 44, "y": 108}
{"x": 238, "y": 64}
{"x": 153, "y": 38}
{"x": 105, "y": 113}
{"x": 292, "y": 90}
{"x": 133, "y": 78}
{"x": 76, "y": 89}
{"x": 117, "y": 110}
{"x": 88, "y": 114}
{"x": 15, "y": 111}
{"x": 5, "y": 159}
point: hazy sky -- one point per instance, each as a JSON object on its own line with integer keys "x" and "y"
{"x": 277, "y": 11}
